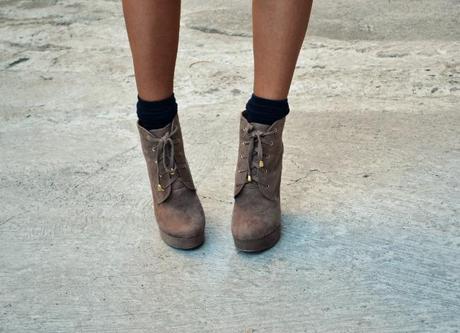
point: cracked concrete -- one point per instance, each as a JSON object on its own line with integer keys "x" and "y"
{"x": 371, "y": 238}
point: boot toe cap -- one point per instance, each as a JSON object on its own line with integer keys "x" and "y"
{"x": 183, "y": 220}
{"x": 251, "y": 224}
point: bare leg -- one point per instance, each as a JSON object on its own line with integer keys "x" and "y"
{"x": 279, "y": 28}
{"x": 153, "y": 31}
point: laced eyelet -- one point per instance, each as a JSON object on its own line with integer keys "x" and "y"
{"x": 271, "y": 143}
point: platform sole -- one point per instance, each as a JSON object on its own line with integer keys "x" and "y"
{"x": 182, "y": 243}
{"x": 258, "y": 245}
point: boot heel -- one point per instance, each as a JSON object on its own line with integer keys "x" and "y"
{"x": 258, "y": 245}
{"x": 182, "y": 243}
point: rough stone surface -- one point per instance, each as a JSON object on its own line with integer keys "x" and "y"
{"x": 371, "y": 237}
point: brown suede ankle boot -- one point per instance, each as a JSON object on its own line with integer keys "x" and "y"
{"x": 177, "y": 208}
{"x": 256, "y": 220}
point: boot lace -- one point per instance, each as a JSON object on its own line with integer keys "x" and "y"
{"x": 164, "y": 153}
{"x": 255, "y": 157}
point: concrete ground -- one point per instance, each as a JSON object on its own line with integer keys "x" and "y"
{"x": 371, "y": 237}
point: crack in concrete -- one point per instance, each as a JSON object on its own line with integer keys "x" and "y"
{"x": 31, "y": 47}
{"x": 17, "y": 62}
{"x": 208, "y": 30}
{"x": 104, "y": 165}
{"x": 304, "y": 177}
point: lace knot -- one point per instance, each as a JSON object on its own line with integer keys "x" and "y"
{"x": 164, "y": 153}
{"x": 256, "y": 148}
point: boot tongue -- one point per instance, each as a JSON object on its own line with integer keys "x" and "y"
{"x": 260, "y": 127}
{"x": 159, "y": 132}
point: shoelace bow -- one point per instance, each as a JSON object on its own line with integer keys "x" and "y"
{"x": 255, "y": 148}
{"x": 169, "y": 164}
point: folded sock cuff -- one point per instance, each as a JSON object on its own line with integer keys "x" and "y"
{"x": 264, "y": 102}
{"x": 160, "y": 105}
{"x": 156, "y": 114}
{"x": 265, "y": 111}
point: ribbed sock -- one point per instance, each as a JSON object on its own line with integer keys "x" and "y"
{"x": 265, "y": 111}
{"x": 156, "y": 114}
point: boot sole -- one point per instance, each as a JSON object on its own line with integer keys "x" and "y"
{"x": 258, "y": 245}
{"x": 181, "y": 242}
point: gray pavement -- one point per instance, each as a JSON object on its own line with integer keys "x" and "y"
{"x": 371, "y": 236}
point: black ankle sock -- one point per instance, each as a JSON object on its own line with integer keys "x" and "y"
{"x": 157, "y": 114}
{"x": 265, "y": 111}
